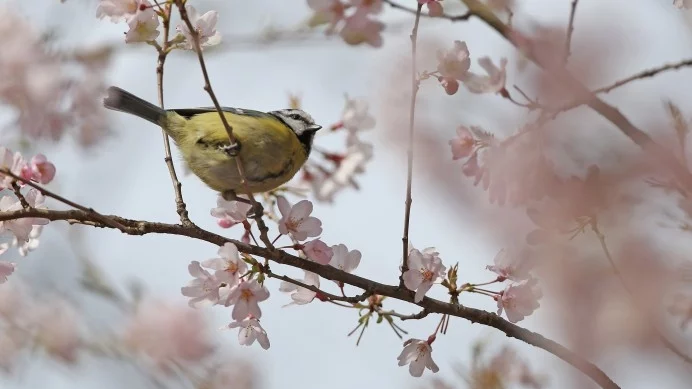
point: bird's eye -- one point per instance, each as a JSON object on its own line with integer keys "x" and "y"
{"x": 295, "y": 116}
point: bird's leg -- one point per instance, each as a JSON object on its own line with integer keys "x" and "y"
{"x": 256, "y": 208}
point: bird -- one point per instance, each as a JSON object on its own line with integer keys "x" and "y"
{"x": 271, "y": 146}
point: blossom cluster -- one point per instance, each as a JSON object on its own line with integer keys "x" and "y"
{"x": 353, "y": 20}
{"x": 52, "y": 90}
{"x": 228, "y": 280}
{"x": 25, "y": 231}
{"x": 453, "y": 67}
{"x": 143, "y": 21}
{"x": 520, "y": 297}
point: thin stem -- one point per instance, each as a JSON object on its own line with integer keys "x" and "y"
{"x": 180, "y": 206}
{"x": 322, "y": 295}
{"x": 667, "y": 343}
{"x": 570, "y": 31}
{"x": 257, "y": 207}
{"x": 452, "y": 18}
{"x": 17, "y": 192}
{"x": 415, "y": 83}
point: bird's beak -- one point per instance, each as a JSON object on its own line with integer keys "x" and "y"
{"x": 313, "y": 127}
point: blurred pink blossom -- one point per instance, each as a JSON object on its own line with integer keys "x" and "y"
{"x": 494, "y": 82}
{"x": 58, "y": 329}
{"x": 359, "y": 28}
{"x": 168, "y": 333}
{"x": 519, "y": 300}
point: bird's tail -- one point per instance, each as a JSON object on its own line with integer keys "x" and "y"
{"x": 124, "y": 101}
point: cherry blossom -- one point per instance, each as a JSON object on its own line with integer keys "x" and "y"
{"x": 249, "y": 331}
{"x": 118, "y": 10}
{"x": 229, "y": 267}
{"x": 39, "y": 169}
{"x": 21, "y": 228}
{"x": 168, "y": 333}
{"x": 434, "y": 7}
{"x": 345, "y": 260}
{"x": 367, "y": 6}
{"x": 230, "y": 213}
{"x": 299, "y": 294}
{"x": 143, "y": 26}
{"x": 512, "y": 265}
{"x": 15, "y": 163}
{"x": 245, "y": 298}
{"x": 205, "y": 26}
{"x": 359, "y": 28}
{"x": 418, "y": 355}
{"x": 331, "y": 11}
{"x": 204, "y": 286}
{"x": 424, "y": 269}
{"x": 6, "y": 270}
{"x": 356, "y": 116}
{"x": 492, "y": 83}
{"x": 463, "y": 144}
{"x": 296, "y": 219}
{"x": 58, "y": 329}
{"x": 454, "y": 63}
{"x": 31, "y": 244}
{"x": 318, "y": 251}
{"x": 519, "y": 300}
{"x": 358, "y": 154}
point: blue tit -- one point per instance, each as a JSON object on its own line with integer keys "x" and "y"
{"x": 272, "y": 146}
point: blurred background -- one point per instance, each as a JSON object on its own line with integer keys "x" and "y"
{"x": 267, "y": 56}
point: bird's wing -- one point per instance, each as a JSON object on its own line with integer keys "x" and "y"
{"x": 190, "y": 112}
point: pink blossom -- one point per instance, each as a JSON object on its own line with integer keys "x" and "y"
{"x": 15, "y": 163}
{"x": 511, "y": 264}
{"x": 296, "y": 219}
{"x": 204, "y": 286}
{"x": 492, "y": 83}
{"x": 168, "y": 333}
{"x": 205, "y": 26}
{"x": 12, "y": 342}
{"x": 21, "y": 228}
{"x": 6, "y": 270}
{"x": 144, "y": 26}
{"x": 463, "y": 144}
{"x": 359, "y": 28}
{"x": 246, "y": 297}
{"x": 31, "y": 244}
{"x": 318, "y": 251}
{"x": 249, "y": 331}
{"x": 331, "y": 11}
{"x": 39, "y": 169}
{"x": 118, "y": 10}
{"x": 230, "y": 212}
{"x": 424, "y": 269}
{"x": 367, "y": 6}
{"x": 434, "y": 7}
{"x": 519, "y": 300}
{"x": 345, "y": 260}
{"x": 683, "y": 4}
{"x": 450, "y": 85}
{"x": 418, "y": 355}
{"x": 58, "y": 329}
{"x": 229, "y": 267}
{"x": 454, "y": 63}
{"x": 299, "y": 294}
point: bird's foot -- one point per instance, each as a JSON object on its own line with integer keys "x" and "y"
{"x": 232, "y": 149}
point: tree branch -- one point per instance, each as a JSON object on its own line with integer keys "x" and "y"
{"x": 452, "y": 18}
{"x": 570, "y": 31}
{"x": 139, "y": 227}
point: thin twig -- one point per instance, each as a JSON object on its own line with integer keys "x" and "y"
{"x": 264, "y": 237}
{"x": 452, "y": 18}
{"x": 570, "y": 31}
{"x": 415, "y": 84}
{"x": 180, "y": 206}
{"x": 415, "y": 316}
{"x": 141, "y": 227}
{"x": 667, "y": 343}
{"x": 17, "y": 192}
